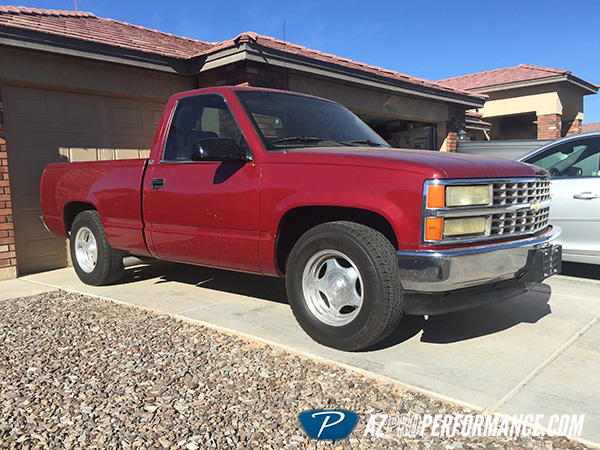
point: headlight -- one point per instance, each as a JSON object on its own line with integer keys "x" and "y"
{"x": 479, "y": 195}
{"x": 445, "y": 223}
{"x": 464, "y": 226}
{"x": 440, "y": 196}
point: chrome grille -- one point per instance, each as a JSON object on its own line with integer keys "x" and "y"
{"x": 517, "y": 192}
{"x": 519, "y": 207}
{"x": 519, "y": 222}
{"x": 508, "y": 193}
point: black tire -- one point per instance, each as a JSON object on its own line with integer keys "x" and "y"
{"x": 95, "y": 261}
{"x": 343, "y": 285}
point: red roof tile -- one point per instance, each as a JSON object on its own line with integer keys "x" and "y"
{"x": 87, "y": 27}
{"x": 270, "y": 42}
{"x": 591, "y": 127}
{"x": 508, "y": 75}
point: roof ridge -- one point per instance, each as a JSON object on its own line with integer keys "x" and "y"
{"x": 44, "y": 12}
{"x": 544, "y": 69}
{"x": 531, "y": 67}
{"x": 252, "y": 36}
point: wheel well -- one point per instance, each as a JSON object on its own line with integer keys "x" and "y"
{"x": 298, "y": 221}
{"x": 73, "y": 209}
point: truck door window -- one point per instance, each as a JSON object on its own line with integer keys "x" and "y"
{"x": 196, "y": 118}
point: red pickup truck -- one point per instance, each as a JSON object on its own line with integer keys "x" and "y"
{"x": 284, "y": 184}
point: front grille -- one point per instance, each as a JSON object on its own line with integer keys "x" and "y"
{"x": 508, "y": 193}
{"x": 519, "y": 207}
{"x": 526, "y": 221}
{"x": 517, "y": 192}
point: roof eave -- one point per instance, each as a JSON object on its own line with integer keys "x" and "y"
{"x": 589, "y": 87}
{"x": 250, "y": 51}
{"x": 54, "y": 44}
{"x": 299, "y": 63}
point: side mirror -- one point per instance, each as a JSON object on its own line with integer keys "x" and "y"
{"x": 218, "y": 149}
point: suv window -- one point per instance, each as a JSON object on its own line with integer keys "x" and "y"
{"x": 197, "y": 118}
{"x": 579, "y": 158}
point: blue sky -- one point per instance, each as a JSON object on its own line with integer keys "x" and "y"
{"x": 425, "y": 38}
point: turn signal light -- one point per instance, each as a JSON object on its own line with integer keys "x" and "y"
{"x": 436, "y": 196}
{"x": 434, "y": 228}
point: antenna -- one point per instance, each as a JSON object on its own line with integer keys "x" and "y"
{"x": 284, "y": 59}
{"x": 284, "y": 90}
{"x": 75, "y": 5}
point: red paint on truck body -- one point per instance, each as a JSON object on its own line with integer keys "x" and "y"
{"x": 228, "y": 214}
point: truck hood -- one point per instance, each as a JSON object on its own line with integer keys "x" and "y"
{"x": 431, "y": 164}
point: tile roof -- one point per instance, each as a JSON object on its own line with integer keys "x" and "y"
{"x": 87, "y": 27}
{"x": 293, "y": 49}
{"x": 591, "y": 127}
{"x": 507, "y": 75}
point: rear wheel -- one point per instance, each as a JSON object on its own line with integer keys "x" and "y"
{"x": 94, "y": 260}
{"x": 343, "y": 285}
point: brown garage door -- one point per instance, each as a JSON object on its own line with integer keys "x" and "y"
{"x": 44, "y": 126}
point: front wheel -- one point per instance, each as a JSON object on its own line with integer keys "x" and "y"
{"x": 343, "y": 285}
{"x": 94, "y": 260}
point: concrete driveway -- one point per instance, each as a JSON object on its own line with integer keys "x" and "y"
{"x": 535, "y": 354}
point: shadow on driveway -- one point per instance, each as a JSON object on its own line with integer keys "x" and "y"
{"x": 258, "y": 286}
{"x": 472, "y": 323}
{"x": 443, "y": 329}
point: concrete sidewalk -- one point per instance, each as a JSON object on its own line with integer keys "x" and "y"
{"x": 535, "y": 354}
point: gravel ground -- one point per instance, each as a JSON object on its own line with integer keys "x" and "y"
{"x": 80, "y": 372}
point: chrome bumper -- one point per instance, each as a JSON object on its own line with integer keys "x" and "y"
{"x": 41, "y": 220}
{"x": 437, "y": 271}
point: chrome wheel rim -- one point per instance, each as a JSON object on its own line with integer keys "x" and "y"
{"x": 333, "y": 288}
{"x": 86, "y": 250}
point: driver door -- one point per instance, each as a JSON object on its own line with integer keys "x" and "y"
{"x": 202, "y": 212}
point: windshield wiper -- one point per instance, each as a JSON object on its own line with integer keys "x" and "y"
{"x": 298, "y": 139}
{"x": 367, "y": 142}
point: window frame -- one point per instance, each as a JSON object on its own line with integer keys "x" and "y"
{"x": 244, "y": 143}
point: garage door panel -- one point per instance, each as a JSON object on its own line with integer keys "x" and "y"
{"x": 37, "y": 148}
{"x": 154, "y": 115}
{"x": 125, "y": 115}
{"x": 83, "y": 115}
{"x": 28, "y": 112}
{"x": 32, "y": 206}
{"x": 45, "y": 126}
{"x": 42, "y": 253}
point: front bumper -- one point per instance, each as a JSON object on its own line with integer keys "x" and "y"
{"x": 441, "y": 271}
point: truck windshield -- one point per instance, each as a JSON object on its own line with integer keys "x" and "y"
{"x": 287, "y": 121}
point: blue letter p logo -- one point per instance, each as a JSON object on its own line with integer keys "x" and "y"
{"x": 328, "y": 424}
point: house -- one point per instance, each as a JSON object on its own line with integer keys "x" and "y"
{"x": 591, "y": 127}
{"x": 526, "y": 102}
{"x": 78, "y": 87}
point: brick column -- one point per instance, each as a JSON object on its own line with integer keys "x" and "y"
{"x": 456, "y": 120}
{"x": 549, "y": 126}
{"x": 248, "y": 73}
{"x": 571, "y": 128}
{"x": 8, "y": 258}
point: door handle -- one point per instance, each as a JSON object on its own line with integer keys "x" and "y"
{"x": 586, "y": 196}
{"x": 157, "y": 183}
